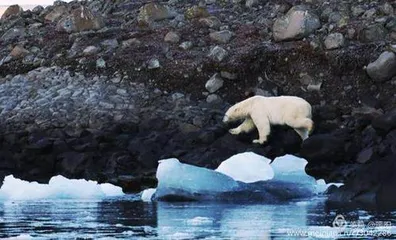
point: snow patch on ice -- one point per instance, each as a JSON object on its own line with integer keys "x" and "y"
{"x": 247, "y": 167}
{"x": 58, "y": 187}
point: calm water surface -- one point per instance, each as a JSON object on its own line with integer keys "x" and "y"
{"x": 125, "y": 217}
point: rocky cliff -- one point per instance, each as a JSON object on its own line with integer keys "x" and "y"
{"x": 104, "y": 89}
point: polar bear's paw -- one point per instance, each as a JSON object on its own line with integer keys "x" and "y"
{"x": 234, "y": 131}
{"x": 305, "y": 135}
{"x": 259, "y": 141}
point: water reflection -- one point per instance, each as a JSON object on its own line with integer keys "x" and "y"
{"x": 126, "y": 218}
{"x": 77, "y": 218}
{"x": 230, "y": 220}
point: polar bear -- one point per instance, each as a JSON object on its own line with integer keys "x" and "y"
{"x": 261, "y": 112}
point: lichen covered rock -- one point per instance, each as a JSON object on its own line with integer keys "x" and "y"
{"x": 298, "y": 22}
{"x": 81, "y": 19}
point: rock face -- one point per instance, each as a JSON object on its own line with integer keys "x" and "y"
{"x": 384, "y": 68}
{"x": 386, "y": 122}
{"x": 103, "y": 129}
{"x": 12, "y": 10}
{"x": 106, "y": 105}
{"x": 81, "y": 19}
{"x": 299, "y": 22}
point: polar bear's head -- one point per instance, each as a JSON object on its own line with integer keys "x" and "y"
{"x": 234, "y": 113}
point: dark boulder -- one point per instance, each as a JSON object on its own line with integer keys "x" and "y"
{"x": 390, "y": 140}
{"x": 372, "y": 185}
{"x": 386, "y": 122}
{"x": 323, "y": 148}
{"x": 324, "y": 153}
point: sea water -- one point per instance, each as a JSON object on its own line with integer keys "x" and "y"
{"x": 245, "y": 198}
{"x": 126, "y": 217}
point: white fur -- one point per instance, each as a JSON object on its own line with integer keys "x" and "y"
{"x": 261, "y": 112}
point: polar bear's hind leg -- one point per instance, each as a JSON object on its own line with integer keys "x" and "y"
{"x": 303, "y": 126}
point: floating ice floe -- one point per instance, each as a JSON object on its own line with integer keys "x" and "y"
{"x": 245, "y": 176}
{"x": 58, "y": 187}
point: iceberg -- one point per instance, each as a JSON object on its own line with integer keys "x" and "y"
{"x": 245, "y": 176}
{"x": 58, "y": 187}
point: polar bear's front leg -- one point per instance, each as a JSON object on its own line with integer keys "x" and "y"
{"x": 246, "y": 127}
{"x": 264, "y": 128}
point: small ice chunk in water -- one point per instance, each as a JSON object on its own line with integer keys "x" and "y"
{"x": 175, "y": 178}
{"x": 198, "y": 221}
{"x": 20, "y": 237}
{"x": 58, "y": 187}
{"x": 147, "y": 194}
{"x": 322, "y": 186}
{"x": 16, "y": 189}
{"x": 247, "y": 167}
